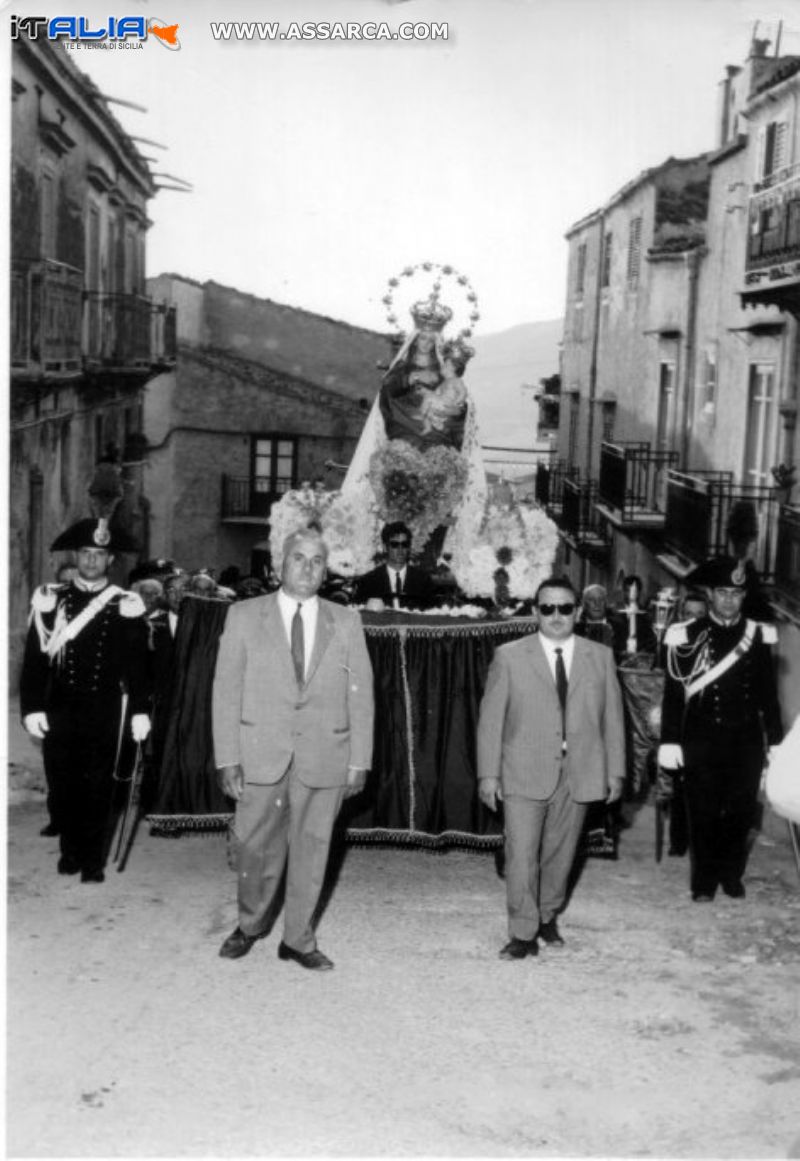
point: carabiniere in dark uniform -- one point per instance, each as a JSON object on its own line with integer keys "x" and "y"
{"x": 721, "y": 707}
{"x": 85, "y": 670}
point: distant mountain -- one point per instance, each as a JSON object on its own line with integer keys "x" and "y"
{"x": 503, "y": 362}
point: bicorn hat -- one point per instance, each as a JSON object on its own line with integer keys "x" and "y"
{"x": 93, "y": 533}
{"x": 720, "y": 572}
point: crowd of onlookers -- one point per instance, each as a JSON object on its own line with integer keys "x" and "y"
{"x": 630, "y": 626}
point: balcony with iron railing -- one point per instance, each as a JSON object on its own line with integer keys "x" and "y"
{"x": 248, "y": 499}
{"x": 58, "y": 329}
{"x": 699, "y": 505}
{"x": 632, "y": 487}
{"x": 549, "y": 486}
{"x": 583, "y": 526}
{"x": 117, "y": 330}
{"x": 46, "y": 306}
{"x": 787, "y": 557}
{"x": 774, "y": 220}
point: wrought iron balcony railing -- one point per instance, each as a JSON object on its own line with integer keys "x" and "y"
{"x": 699, "y": 505}
{"x": 632, "y": 488}
{"x": 774, "y": 220}
{"x": 787, "y": 555}
{"x": 580, "y": 520}
{"x": 59, "y": 329}
{"x": 549, "y": 488}
{"x": 117, "y": 330}
{"x": 46, "y": 305}
{"x": 246, "y": 498}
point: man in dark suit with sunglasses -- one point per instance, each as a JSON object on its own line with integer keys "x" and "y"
{"x": 397, "y": 583}
{"x": 550, "y": 741}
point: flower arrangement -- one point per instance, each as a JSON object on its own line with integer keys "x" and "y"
{"x": 513, "y": 553}
{"x": 350, "y": 533}
{"x": 420, "y": 488}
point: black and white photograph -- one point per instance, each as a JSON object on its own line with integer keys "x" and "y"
{"x": 402, "y": 578}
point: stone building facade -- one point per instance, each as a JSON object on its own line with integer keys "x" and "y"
{"x": 263, "y": 397}
{"x": 681, "y": 359}
{"x": 84, "y": 337}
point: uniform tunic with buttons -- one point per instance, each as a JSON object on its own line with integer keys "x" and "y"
{"x": 80, "y": 690}
{"x": 724, "y": 730}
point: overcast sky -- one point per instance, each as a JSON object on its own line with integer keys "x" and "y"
{"x": 320, "y": 169}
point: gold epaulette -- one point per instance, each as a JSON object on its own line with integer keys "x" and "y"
{"x": 131, "y": 605}
{"x": 44, "y": 598}
{"x": 676, "y": 634}
{"x": 769, "y": 633}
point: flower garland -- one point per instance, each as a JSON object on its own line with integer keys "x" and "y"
{"x": 520, "y": 540}
{"x": 422, "y": 489}
{"x": 349, "y": 531}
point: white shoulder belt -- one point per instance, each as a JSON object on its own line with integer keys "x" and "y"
{"x": 65, "y": 631}
{"x": 725, "y": 663}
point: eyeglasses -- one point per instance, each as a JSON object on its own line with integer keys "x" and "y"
{"x": 565, "y": 610}
{"x": 399, "y": 543}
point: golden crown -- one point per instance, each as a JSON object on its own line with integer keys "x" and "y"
{"x": 430, "y": 314}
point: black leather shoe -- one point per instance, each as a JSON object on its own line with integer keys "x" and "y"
{"x": 93, "y": 876}
{"x": 50, "y": 831}
{"x": 519, "y": 948}
{"x": 68, "y": 866}
{"x": 238, "y": 944}
{"x": 734, "y": 890}
{"x": 315, "y": 961}
{"x": 549, "y": 934}
{"x": 702, "y": 897}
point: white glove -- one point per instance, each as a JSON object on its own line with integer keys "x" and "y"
{"x": 140, "y": 727}
{"x": 37, "y": 724}
{"x": 670, "y": 756}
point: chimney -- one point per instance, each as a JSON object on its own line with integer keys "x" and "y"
{"x": 758, "y": 47}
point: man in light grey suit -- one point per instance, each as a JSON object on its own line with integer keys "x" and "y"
{"x": 292, "y": 714}
{"x": 550, "y": 740}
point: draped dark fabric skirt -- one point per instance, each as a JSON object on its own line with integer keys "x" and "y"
{"x": 429, "y": 673}
{"x": 187, "y": 795}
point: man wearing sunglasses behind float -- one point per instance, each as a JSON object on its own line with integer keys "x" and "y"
{"x": 397, "y": 583}
{"x": 550, "y": 741}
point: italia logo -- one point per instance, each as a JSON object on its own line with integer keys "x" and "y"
{"x": 79, "y": 29}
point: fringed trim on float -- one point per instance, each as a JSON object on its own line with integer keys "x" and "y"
{"x": 170, "y": 824}
{"x": 504, "y": 628}
{"x": 432, "y": 842}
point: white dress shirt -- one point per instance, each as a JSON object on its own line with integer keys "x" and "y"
{"x": 393, "y": 574}
{"x": 309, "y": 610}
{"x": 567, "y": 648}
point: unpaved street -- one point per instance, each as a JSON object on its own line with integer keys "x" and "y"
{"x": 663, "y": 1028}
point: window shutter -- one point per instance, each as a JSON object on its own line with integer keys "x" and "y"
{"x": 779, "y": 148}
{"x": 761, "y": 152}
{"x": 634, "y": 250}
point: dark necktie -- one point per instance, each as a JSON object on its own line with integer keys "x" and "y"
{"x": 561, "y": 687}
{"x": 298, "y": 646}
{"x": 398, "y": 584}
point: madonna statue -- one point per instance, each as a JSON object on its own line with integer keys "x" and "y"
{"x": 423, "y": 399}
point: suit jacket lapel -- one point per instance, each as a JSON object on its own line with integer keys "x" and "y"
{"x": 322, "y": 637}
{"x": 578, "y": 668}
{"x": 275, "y": 634}
{"x": 540, "y": 666}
